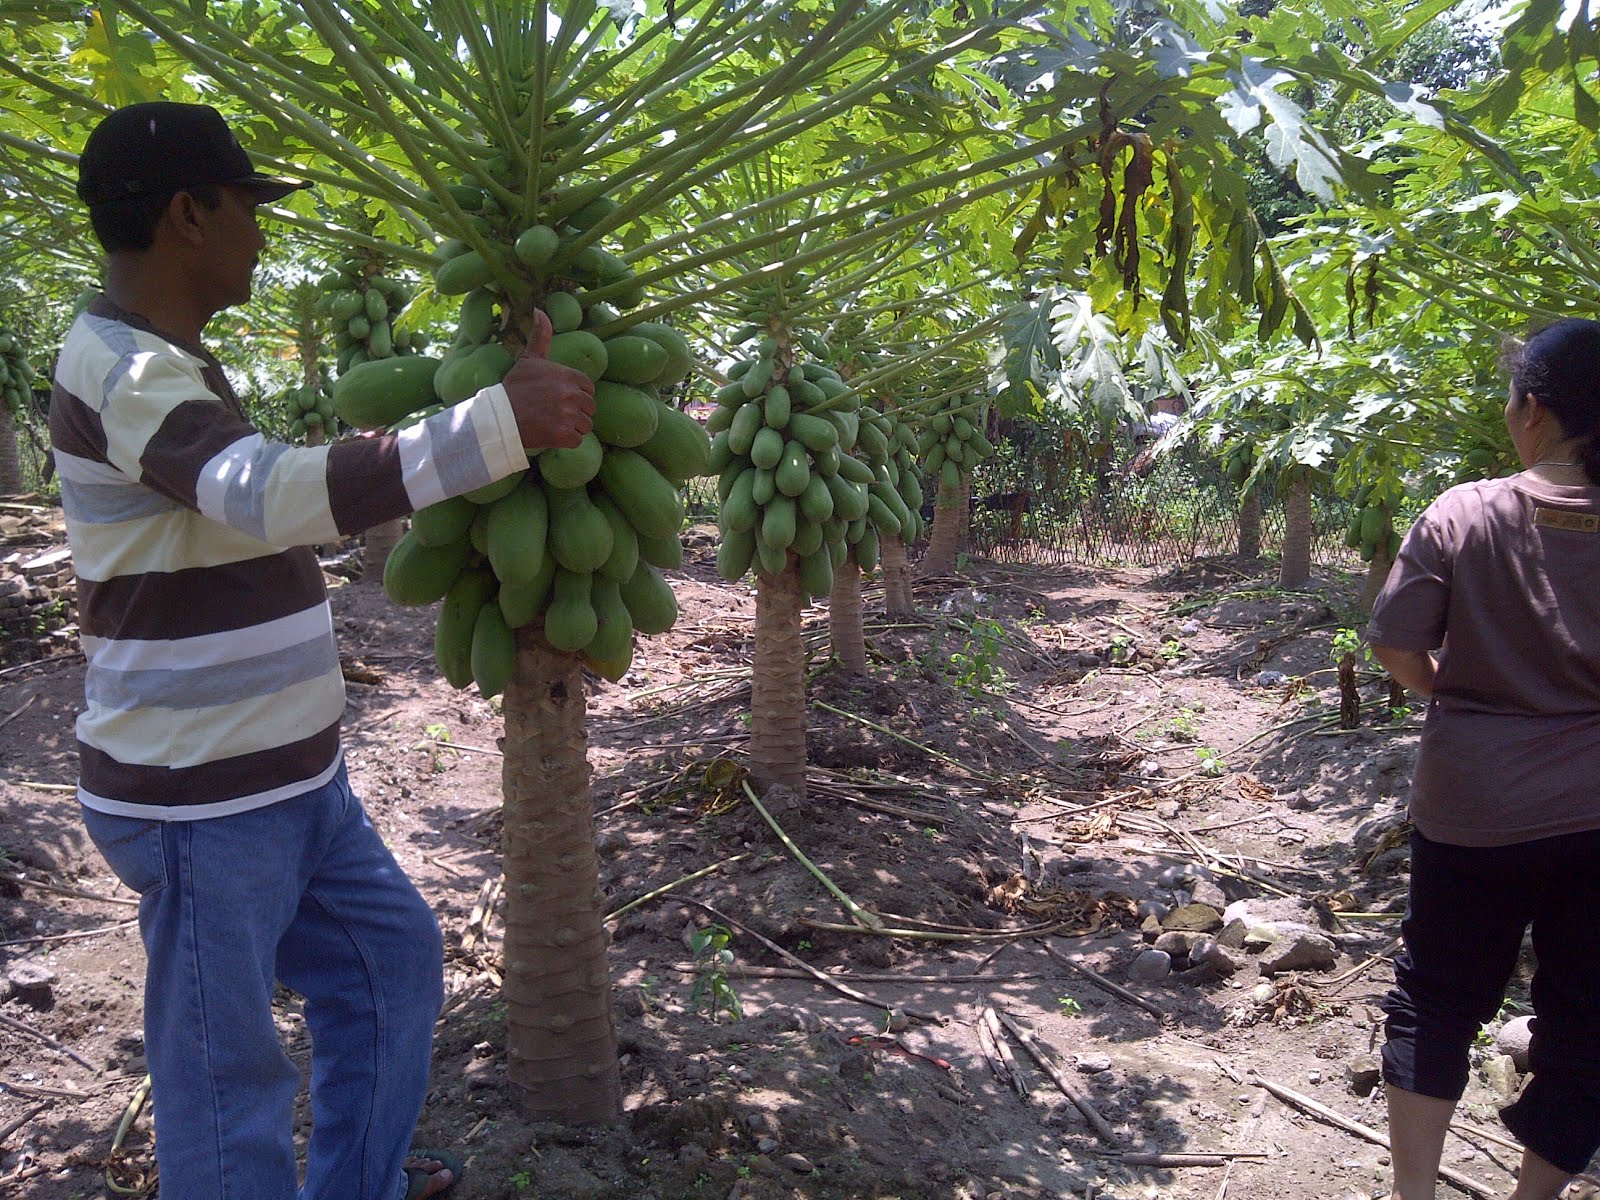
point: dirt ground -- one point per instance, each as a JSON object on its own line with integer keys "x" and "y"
{"x": 1042, "y": 769}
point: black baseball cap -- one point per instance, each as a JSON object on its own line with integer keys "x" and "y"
{"x": 161, "y": 147}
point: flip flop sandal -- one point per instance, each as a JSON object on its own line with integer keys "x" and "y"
{"x": 417, "y": 1179}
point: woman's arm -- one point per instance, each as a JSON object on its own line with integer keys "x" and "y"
{"x": 1413, "y": 668}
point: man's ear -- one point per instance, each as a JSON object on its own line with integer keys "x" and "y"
{"x": 185, "y": 214}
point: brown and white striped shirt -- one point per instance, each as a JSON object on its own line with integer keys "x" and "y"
{"x": 213, "y": 683}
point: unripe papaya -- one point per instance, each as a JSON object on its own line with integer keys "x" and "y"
{"x": 416, "y": 574}
{"x": 624, "y": 557}
{"x": 520, "y": 603}
{"x": 442, "y": 523}
{"x": 650, "y": 600}
{"x": 375, "y": 395}
{"x": 578, "y": 349}
{"x": 793, "y": 472}
{"x": 651, "y": 504}
{"x": 613, "y": 633}
{"x": 665, "y": 553}
{"x": 678, "y": 448}
{"x": 766, "y": 450}
{"x": 571, "y": 467}
{"x": 494, "y": 651}
{"x": 565, "y": 312}
{"x": 570, "y": 621}
{"x": 631, "y": 359}
{"x": 734, "y": 554}
{"x": 517, "y": 529}
{"x": 580, "y": 535}
{"x": 462, "y": 273}
{"x": 816, "y": 572}
{"x": 452, "y": 635}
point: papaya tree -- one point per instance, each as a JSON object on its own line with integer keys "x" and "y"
{"x": 16, "y": 404}
{"x": 516, "y": 157}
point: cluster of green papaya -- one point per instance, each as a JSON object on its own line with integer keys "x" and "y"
{"x": 309, "y": 407}
{"x": 791, "y": 447}
{"x": 16, "y": 373}
{"x": 362, "y": 303}
{"x": 1372, "y": 527}
{"x": 953, "y": 441}
{"x": 578, "y": 541}
{"x": 893, "y": 458}
{"x": 1238, "y": 462}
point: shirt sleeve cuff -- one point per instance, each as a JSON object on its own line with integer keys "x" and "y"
{"x": 500, "y": 442}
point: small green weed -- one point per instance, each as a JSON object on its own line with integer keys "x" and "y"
{"x": 976, "y": 667}
{"x": 712, "y": 956}
{"x": 1121, "y": 652}
{"x": 1068, "y": 1006}
{"x": 1212, "y": 764}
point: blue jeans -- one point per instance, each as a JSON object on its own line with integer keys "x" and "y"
{"x": 303, "y": 891}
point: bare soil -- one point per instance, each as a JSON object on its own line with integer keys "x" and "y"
{"x": 1038, "y": 750}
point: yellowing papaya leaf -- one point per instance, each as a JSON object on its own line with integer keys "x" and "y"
{"x": 116, "y": 63}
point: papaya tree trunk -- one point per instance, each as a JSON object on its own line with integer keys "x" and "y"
{"x": 10, "y": 456}
{"x": 778, "y": 697}
{"x": 844, "y": 618}
{"x": 317, "y": 437}
{"x": 949, "y": 529}
{"x": 1377, "y": 573}
{"x": 563, "y": 1038}
{"x": 1294, "y": 568}
{"x": 1250, "y": 524}
{"x": 380, "y": 541}
{"x": 896, "y": 569}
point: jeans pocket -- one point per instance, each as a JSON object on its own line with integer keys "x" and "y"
{"x": 133, "y": 847}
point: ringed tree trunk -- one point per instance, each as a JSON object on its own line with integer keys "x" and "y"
{"x": 10, "y": 456}
{"x": 845, "y": 629}
{"x": 380, "y": 541}
{"x": 563, "y": 1037}
{"x": 1250, "y": 524}
{"x": 1377, "y": 573}
{"x": 949, "y": 536}
{"x": 1294, "y": 568}
{"x": 896, "y": 568}
{"x": 777, "y": 689}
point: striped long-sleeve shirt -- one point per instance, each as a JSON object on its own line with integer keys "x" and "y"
{"x": 213, "y": 682}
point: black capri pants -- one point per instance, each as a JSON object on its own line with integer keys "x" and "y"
{"x": 1468, "y": 909}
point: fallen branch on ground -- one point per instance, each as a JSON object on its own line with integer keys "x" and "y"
{"x": 861, "y": 916}
{"x": 1001, "y": 1060}
{"x": 1116, "y": 989}
{"x": 11, "y": 1127}
{"x": 72, "y": 936}
{"x": 821, "y": 976}
{"x": 676, "y": 883}
{"x": 1306, "y": 1103}
{"x": 1188, "y": 1158}
{"x": 1030, "y": 1043}
{"x": 40, "y": 1036}
{"x": 887, "y": 732}
{"x": 859, "y": 976}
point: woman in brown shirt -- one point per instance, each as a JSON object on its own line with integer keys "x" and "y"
{"x": 1502, "y": 579}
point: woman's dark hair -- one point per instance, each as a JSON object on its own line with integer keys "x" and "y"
{"x": 129, "y": 226}
{"x": 1561, "y": 366}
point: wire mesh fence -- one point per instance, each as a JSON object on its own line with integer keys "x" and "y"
{"x": 1055, "y": 504}
{"x": 1051, "y": 505}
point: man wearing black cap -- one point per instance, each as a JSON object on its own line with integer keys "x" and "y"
{"x": 210, "y": 769}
